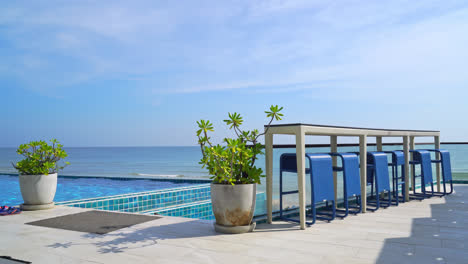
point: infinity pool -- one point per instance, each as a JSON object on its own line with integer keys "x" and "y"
{"x": 74, "y": 188}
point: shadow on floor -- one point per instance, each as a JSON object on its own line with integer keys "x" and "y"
{"x": 441, "y": 238}
{"x": 132, "y": 238}
{"x": 277, "y": 227}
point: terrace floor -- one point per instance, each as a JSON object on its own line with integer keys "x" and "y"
{"x": 431, "y": 231}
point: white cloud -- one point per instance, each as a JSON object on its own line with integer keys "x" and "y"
{"x": 418, "y": 59}
{"x": 257, "y": 46}
{"x": 268, "y": 8}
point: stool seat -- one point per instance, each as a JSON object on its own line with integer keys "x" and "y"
{"x": 397, "y": 162}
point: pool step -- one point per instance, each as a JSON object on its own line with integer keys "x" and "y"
{"x": 203, "y": 209}
{"x": 190, "y": 202}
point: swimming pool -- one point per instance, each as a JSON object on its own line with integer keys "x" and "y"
{"x": 74, "y": 188}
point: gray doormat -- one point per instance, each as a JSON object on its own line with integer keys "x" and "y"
{"x": 97, "y": 222}
{"x": 10, "y": 260}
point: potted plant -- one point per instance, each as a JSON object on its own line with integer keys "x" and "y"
{"x": 232, "y": 168}
{"x": 38, "y": 173}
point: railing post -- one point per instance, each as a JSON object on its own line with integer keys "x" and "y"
{"x": 378, "y": 141}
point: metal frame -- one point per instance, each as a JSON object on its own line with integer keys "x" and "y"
{"x": 300, "y": 130}
{"x": 314, "y": 179}
{"x": 397, "y": 180}
{"x": 347, "y": 160}
{"x": 425, "y": 176}
{"x": 446, "y": 179}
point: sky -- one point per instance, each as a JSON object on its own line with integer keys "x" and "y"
{"x": 141, "y": 73}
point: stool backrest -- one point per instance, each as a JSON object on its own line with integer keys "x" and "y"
{"x": 321, "y": 171}
{"x": 423, "y": 157}
{"x": 288, "y": 162}
{"x": 379, "y": 162}
{"x": 446, "y": 166}
{"x": 352, "y": 173}
{"x": 398, "y": 157}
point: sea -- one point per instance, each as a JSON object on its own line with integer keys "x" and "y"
{"x": 183, "y": 162}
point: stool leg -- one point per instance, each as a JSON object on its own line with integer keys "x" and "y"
{"x": 314, "y": 213}
{"x": 395, "y": 184}
{"x": 403, "y": 191}
{"x": 281, "y": 194}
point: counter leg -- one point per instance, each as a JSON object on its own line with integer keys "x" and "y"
{"x": 269, "y": 175}
{"x": 437, "y": 146}
{"x": 300, "y": 158}
{"x": 412, "y": 146}
{"x": 363, "y": 164}
{"x": 334, "y": 149}
{"x": 407, "y": 170}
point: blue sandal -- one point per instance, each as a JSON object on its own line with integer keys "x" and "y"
{"x": 6, "y": 210}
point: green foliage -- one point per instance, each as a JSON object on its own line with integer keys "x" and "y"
{"x": 40, "y": 158}
{"x": 234, "y": 161}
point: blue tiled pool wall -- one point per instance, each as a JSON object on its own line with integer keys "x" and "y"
{"x": 126, "y": 195}
{"x": 140, "y": 202}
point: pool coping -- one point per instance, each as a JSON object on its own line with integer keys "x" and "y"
{"x": 133, "y": 177}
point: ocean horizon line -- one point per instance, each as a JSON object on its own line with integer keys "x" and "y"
{"x": 275, "y": 145}
{"x": 160, "y": 146}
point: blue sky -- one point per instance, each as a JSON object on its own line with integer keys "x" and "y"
{"x": 140, "y": 73}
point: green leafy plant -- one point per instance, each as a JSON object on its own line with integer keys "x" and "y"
{"x": 234, "y": 162}
{"x": 40, "y": 158}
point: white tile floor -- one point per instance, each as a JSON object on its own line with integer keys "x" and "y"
{"x": 431, "y": 231}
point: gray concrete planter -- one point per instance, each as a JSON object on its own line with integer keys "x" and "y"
{"x": 38, "y": 191}
{"x": 233, "y": 207}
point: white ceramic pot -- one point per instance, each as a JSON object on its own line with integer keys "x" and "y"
{"x": 233, "y": 206}
{"x": 38, "y": 189}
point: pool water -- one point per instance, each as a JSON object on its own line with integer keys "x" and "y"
{"x": 74, "y": 188}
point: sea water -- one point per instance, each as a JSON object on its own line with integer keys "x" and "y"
{"x": 181, "y": 162}
{"x": 123, "y": 161}
{"x": 177, "y": 162}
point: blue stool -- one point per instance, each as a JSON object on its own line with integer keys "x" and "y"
{"x": 422, "y": 158}
{"x": 321, "y": 180}
{"x": 398, "y": 162}
{"x": 378, "y": 178}
{"x": 446, "y": 169}
{"x": 351, "y": 182}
